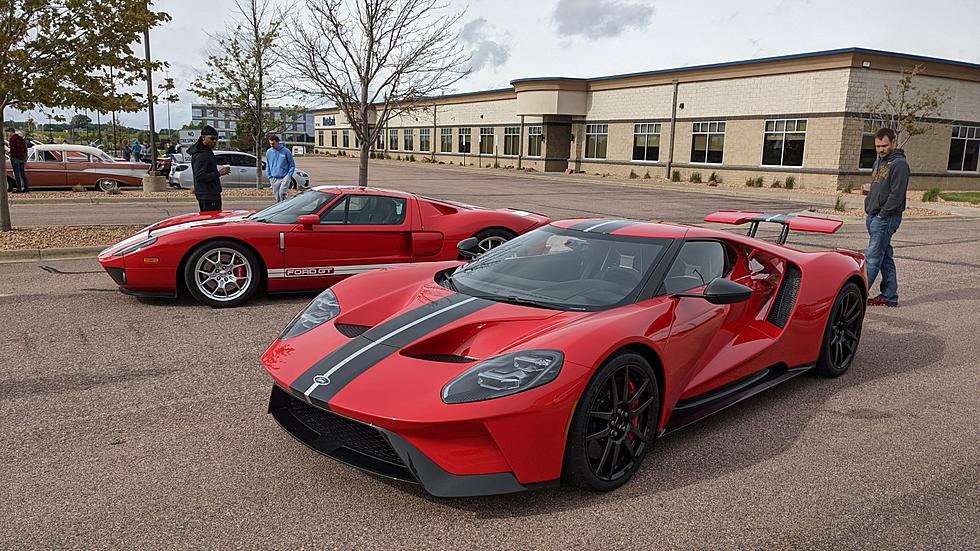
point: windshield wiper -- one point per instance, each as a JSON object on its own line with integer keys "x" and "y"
{"x": 519, "y": 301}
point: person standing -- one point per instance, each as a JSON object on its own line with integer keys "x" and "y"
{"x": 18, "y": 160}
{"x": 280, "y": 167}
{"x": 127, "y": 151}
{"x": 207, "y": 176}
{"x": 137, "y": 151}
{"x": 884, "y": 206}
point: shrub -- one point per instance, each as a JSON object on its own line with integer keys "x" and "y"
{"x": 633, "y": 175}
{"x": 714, "y": 178}
{"x": 675, "y": 176}
{"x": 750, "y": 182}
{"x": 839, "y": 204}
{"x": 848, "y": 187}
{"x": 695, "y": 177}
{"x": 932, "y": 195}
{"x": 776, "y": 183}
{"x": 411, "y": 158}
{"x": 647, "y": 175}
{"x": 398, "y": 157}
{"x": 759, "y": 182}
{"x": 790, "y": 182}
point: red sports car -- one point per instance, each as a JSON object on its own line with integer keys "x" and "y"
{"x": 562, "y": 354}
{"x": 308, "y": 242}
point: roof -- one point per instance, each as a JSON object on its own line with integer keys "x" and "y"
{"x": 625, "y": 228}
{"x": 69, "y": 147}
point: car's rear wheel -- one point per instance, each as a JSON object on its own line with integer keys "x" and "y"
{"x": 222, "y": 274}
{"x": 614, "y": 424}
{"x": 492, "y": 238}
{"x": 106, "y": 185}
{"x": 843, "y": 332}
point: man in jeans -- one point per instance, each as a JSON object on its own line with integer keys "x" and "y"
{"x": 280, "y": 167}
{"x": 18, "y": 158}
{"x": 884, "y": 206}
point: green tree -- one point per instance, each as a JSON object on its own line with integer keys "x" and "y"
{"x": 904, "y": 108}
{"x": 80, "y": 121}
{"x": 55, "y": 53}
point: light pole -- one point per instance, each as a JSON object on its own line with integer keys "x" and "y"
{"x": 149, "y": 98}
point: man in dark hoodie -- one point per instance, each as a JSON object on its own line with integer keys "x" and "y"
{"x": 884, "y": 206}
{"x": 207, "y": 177}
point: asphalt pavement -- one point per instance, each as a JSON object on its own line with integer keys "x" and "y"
{"x": 141, "y": 423}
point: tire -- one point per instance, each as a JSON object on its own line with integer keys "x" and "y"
{"x": 492, "y": 238}
{"x": 606, "y": 442}
{"x": 842, "y": 335}
{"x": 106, "y": 185}
{"x": 215, "y": 265}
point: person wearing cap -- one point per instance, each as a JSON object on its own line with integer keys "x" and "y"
{"x": 280, "y": 167}
{"x": 207, "y": 176}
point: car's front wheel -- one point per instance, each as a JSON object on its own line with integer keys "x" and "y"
{"x": 222, "y": 274}
{"x": 492, "y": 238}
{"x": 614, "y": 424}
{"x": 843, "y": 332}
{"x": 106, "y": 185}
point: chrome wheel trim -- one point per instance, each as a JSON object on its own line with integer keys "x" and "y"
{"x": 106, "y": 185}
{"x": 223, "y": 274}
{"x": 491, "y": 242}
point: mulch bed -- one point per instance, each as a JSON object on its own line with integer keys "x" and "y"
{"x": 58, "y": 237}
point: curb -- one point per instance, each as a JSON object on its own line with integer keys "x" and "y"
{"x": 37, "y": 255}
{"x": 111, "y": 200}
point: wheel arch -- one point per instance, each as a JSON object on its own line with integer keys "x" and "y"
{"x": 498, "y": 228}
{"x": 263, "y": 269}
{"x": 651, "y": 356}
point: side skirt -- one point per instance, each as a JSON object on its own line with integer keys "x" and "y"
{"x": 694, "y": 409}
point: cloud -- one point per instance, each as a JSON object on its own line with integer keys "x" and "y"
{"x": 600, "y": 18}
{"x": 484, "y": 51}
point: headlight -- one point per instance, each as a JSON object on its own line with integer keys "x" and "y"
{"x": 301, "y": 174}
{"x": 503, "y": 376}
{"x": 136, "y": 247}
{"x": 323, "y": 308}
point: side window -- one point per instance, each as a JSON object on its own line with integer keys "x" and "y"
{"x": 222, "y": 160}
{"x": 697, "y": 264}
{"x": 51, "y": 156}
{"x": 336, "y": 214}
{"x": 366, "y": 210}
{"x": 242, "y": 160}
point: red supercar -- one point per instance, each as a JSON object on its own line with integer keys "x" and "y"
{"x": 562, "y": 354}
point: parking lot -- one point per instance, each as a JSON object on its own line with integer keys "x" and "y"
{"x": 141, "y": 423}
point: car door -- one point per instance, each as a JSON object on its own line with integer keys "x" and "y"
{"x": 357, "y": 233}
{"x": 79, "y": 169}
{"x": 46, "y": 169}
{"x": 243, "y": 168}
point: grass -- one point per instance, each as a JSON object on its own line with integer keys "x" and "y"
{"x": 972, "y": 197}
{"x": 714, "y": 178}
{"x": 790, "y": 182}
{"x": 675, "y": 176}
{"x": 647, "y": 175}
{"x": 695, "y": 177}
{"x": 754, "y": 182}
{"x": 777, "y": 183}
{"x": 633, "y": 175}
{"x": 932, "y": 195}
{"x": 839, "y": 204}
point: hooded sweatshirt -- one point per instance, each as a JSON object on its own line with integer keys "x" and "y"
{"x": 889, "y": 183}
{"x": 207, "y": 181}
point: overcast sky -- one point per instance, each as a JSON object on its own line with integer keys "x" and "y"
{"x": 510, "y": 39}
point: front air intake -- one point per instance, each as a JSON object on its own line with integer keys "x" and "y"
{"x": 782, "y": 306}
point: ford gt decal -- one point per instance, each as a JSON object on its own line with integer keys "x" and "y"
{"x": 320, "y": 271}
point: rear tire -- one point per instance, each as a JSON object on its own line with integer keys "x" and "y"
{"x": 843, "y": 332}
{"x": 106, "y": 185}
{"x": 492, "y": 238}
{"x": 614, "y": 424}
{"x": 222, "y": 274}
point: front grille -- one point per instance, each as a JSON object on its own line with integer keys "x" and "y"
{"x": 351, "y": 331}
{"x": 349, "y": 434}
{"x": 785, "y": 300}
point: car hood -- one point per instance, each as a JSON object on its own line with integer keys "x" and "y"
{"x": 192, "y": 220}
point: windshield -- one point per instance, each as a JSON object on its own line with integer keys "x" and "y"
{"x": 308, "y": 202}
{"x": 559, "y": 268}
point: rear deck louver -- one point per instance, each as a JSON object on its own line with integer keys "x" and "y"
{"x": 782, "y": 307}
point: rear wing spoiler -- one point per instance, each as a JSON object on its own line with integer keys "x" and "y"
{"x": 794, "y": 222}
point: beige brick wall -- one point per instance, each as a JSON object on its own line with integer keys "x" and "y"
{"x": 815, "y": 92}
{"x": 963, "y": 103}
{"x": 649, "y": 102}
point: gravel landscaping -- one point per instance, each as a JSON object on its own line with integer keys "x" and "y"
{"x": 134, "y": 194}
{"x": 911, "y": 212}
{"x": 59, "y": 237}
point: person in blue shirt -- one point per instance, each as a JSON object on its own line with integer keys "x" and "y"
{"x": 137, "y": 150}
{"x": 279, "y": 167}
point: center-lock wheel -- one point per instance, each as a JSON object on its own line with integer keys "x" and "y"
{"x": 843, "y": 332}
{"x": 222, "y": 274}
{"x": 614, "y": 424}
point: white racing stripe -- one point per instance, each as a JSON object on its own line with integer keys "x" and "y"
{"x": 406, "y": 327}
{"x": 600, "y": 224}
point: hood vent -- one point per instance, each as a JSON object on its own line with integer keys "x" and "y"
{"x": 351, "y": 331}
{"x": 444, "y": 358}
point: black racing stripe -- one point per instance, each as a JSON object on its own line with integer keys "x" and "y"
{"x": 381, "y": 350}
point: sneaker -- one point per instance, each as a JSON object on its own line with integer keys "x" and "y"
{"x": 878, "y": 301}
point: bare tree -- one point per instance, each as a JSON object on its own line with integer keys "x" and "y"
{"x": 246, "y": 73}
{"x": 904, "y": 108}
{"x": 375, "y": 59}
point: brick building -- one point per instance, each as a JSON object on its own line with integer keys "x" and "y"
{"x": 797, "y": 115}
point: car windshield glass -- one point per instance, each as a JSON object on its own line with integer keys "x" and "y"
{"x": 560, "y": 268}
{"x": 308, "y": 202}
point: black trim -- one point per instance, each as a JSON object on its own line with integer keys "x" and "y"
{"x": 144, "y": 294}
{"x": 785, "y": 300}
{"x": 698, "y": 407}
{"x": 117, "y": 274}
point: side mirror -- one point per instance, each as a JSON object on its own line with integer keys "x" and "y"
{"x": 721, "y": 291}
{"x": 308, "y": 221}
{"x": 469, "y": 248}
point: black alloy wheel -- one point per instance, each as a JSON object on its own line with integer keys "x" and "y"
{"x": 843, "y": 332}
{"x": 614, "y": 424}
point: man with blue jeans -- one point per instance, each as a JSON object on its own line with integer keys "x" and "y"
{"x": 884, "y": 206}
{"x": 18, "y": 160}
{"x": 280, "y": 167}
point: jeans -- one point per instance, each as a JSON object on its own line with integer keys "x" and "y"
{"x": 879, "y": 254}
{"x": 209, "y": 204}
{"x": 20, "y": 176}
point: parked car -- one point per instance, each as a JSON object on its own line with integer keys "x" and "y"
{"x": 66, "y": 165}
{"x": 307, "y": 242}
{"x": 242, "y": 171}
{"x": 563, "y": 354}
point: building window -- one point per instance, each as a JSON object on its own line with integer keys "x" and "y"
{"x": 381, "y": 140}
{"x": 964, "y": 148}
{"x": 424, "y": 139}
{"x": 464, "y": 140}
{"x": 196, "y": 112}
{"x": 534, "y": 139}
{"x": 346, "y": 139}
{"x": 596, "y": 136}
{"x": 708, "y": 142}
{"x": 868, "y": 152}
{"x": 784, "y": 142}
{"x": 393, "y": 139}
{"x": 512, "y": 139}
{"x": 319, "y": 138}
{"x": 409, "y": 139}
{"x": 333, "y": 138}
{"x": 446, "y": 140}
{"x": 486, "y": 140}
{"x": 646, "y": 142}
